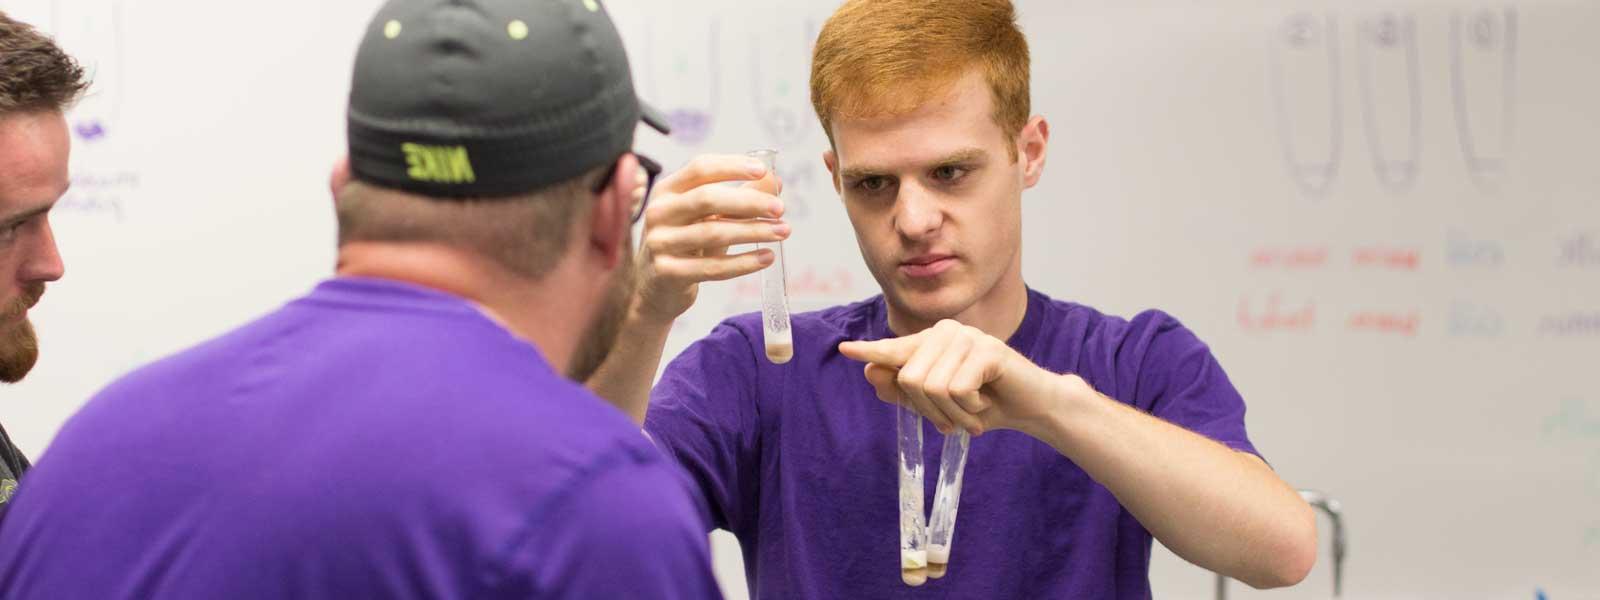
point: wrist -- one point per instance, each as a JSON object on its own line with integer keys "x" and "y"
{"x": 640, "y": 322}
{"x": 1076, "y": 395}
{"x": 1069, "y": 400}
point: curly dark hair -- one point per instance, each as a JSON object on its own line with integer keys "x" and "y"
{"x": 34, "y": 73}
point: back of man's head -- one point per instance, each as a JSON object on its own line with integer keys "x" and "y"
{"x": 525, "y": 234}
{"x": 485, "y": 125}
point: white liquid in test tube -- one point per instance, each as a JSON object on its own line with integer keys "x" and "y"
{"x": 913, "y": 528}
{"x": 946, "y": 499}
{"x": 774, "y": 289}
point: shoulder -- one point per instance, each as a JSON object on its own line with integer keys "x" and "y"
{"x": 1110, "y": 332}
{"x": 1112, "y": 351}
{"x": 552, "y": 425}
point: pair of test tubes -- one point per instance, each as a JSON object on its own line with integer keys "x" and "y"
{"x": 925, "y": 547}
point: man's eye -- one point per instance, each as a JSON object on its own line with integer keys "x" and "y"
{"x": 948, "y": 174}
{"x": 873, "y": 184}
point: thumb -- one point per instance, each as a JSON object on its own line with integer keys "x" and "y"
{"x": 883, "y": 382}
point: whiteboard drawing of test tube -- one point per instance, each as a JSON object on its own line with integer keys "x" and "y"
{"x": 946, "y": 499}
{"x": 913, "y": 527}
{"x": 1391, "y": 99}
{"x": 1483, "y": 76}
{"x": 1304, "y": 80}
{"x": 782, "y": 105}
{"x": 775, "y": 326}
{"x": 677, "y": 77}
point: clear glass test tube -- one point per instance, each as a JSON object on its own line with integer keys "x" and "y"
{"x": 913, "y": 527}
{"x": 774, "y": 289}
{"x": 946, "y": 499}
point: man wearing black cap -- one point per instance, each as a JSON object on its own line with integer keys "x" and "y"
{"x": 409, "y": 428}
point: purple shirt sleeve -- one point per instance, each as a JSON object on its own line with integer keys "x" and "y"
{"x": 704, "y": 413}
{"x": 615, "y": 534}
{"x": 1179, "y": 381}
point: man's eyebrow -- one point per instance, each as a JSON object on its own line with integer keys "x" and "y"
{"x": 862, "y": 172}
{"x": 965, "y": 156}
{"x": 969, "y": 155}
{"x": 24, "y": 215}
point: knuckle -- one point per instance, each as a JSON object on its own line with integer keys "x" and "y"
{"x": 702, "y": 202}
{"x": 667, "y": 269}
{"x": 722, "y": 236}
{"x": 653, "y": 213}
{"x": 697, "y": 232}
{"x": 656, "y": 243}
{"x": 758, "y": 229}
{"x": 989, "y": 344}
{"x": 905, "y": 379}
{"x": 698, "y": 167}
{"x": 707, "y": 270}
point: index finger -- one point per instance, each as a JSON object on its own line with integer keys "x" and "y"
{"x": 713, "y": 168}
{"x": 890, "y": 352}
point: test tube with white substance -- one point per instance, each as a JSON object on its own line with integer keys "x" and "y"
{"x": 774, "y": 288}
{"x": 913, "y": 528}
{"x": 946, "y": 499}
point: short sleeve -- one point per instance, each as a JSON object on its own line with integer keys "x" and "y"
{"x": 630, "y": 530}
{"x": 703, "y": 413}
{"x": 1179, "y": 381}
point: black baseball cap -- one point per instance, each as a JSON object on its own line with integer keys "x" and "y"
{"x": 486, "y": 98}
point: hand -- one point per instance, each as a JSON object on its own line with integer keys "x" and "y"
{"x": 959, "y": 376}
{"x": 692, "y": 220}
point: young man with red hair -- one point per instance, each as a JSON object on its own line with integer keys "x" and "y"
{"x": 1097, "y": 432}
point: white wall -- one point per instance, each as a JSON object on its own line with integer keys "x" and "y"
{"x": 1441, "y": 387}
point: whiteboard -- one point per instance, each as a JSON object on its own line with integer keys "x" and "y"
{"x": 1383, "y": 217}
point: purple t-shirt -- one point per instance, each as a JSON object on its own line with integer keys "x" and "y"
{"x": 799, "y": 461}
{"x": 370, "y": 440}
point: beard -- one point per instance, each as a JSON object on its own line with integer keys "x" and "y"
{"x": 602, "y": 332}
{"x": 19, "y": 347}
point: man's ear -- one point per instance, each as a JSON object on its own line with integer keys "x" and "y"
{"x": 610, "y": 221}
{"x": 340, "y": 176}
{"x": 830, "y": 158}
{"x": 1032, "y": 146}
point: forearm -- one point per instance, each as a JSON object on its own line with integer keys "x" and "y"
{"x": 1218, "y": 508}
{"x": 625, "y": 378}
